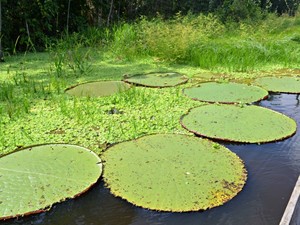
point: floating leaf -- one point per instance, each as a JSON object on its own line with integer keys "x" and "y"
{"x": 33, "y": 179}
{"x": 280, "y": 84}
{"x": 249, "y": 124}
{"x": 177, "y": 173}
{"x": 226, "y": 93}
{"x": 98, "y": 88}
{"x": 157, "y": 79}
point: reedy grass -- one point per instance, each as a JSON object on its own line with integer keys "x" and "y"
{"x": 204, "y": 42}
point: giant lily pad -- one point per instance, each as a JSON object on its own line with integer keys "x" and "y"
{"x": 226, "y": 93}
{"x": 33, "y": 179}
{"x": 177, "y": 173}
{"x": 158, "y": 79}
{"x": 280, "y": 84}
{"x": 248, "y": 124}
{"x": 98, "y": 88}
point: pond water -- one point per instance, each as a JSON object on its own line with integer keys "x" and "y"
{"x": 273, "y": 171}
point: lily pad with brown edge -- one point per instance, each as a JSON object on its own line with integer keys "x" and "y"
{"x": 226, "y": 93}
{"x": 172, "y": 172}
{"x": 157, "y": 79}
{"x": 280, "y": 84}
{"x": 98, "y": 88}
{"x": 35, "y": 178}
{"x": 247, "y": 124}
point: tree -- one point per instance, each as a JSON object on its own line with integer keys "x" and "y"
{"x": 1, "y": 51}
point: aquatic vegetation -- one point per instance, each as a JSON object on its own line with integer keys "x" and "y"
{"x": 35, "y": 178}
{"x": 248, "y": 124}
{"x": 177, "y": 173}
{"x": 157, "y": 79}
{"x": 98, "y": 89}
{"x": 226, "y": 92}
{"x": 280, "y": 84}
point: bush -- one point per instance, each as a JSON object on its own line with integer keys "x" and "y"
{"x": 239, "y": 10}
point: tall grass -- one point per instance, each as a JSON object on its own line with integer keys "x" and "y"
{"x": 205, "y": 42}
{"x": 198, "y": 40}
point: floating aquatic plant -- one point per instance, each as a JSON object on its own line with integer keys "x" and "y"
{"x": 248, "y": 124}
{"x": 280, "y": 84}
{"x": 226, "y": 93}
{"x": 157, "y": 79}
{"x": 33, "y": 179}
{"x": 170, "y": 172}
{"x": 98, "y": 88}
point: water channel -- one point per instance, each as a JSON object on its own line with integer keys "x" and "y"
{"x": 273, "y": 169}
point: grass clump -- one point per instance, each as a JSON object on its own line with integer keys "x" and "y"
{"x": 205, "y": 42}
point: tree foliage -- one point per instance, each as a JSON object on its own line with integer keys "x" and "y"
{"x": 29, "y": 26}
{"x": 1, "y": 51}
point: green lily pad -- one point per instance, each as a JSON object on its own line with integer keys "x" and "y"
{"x": 157, "y": 79}
{"x": 98, "y": 88}
{"x": 33, "y": 179}
{"x": 226, "y": 93}
{"x": 248, "y": 124}
{"x": 169, "y": 172}
{"x": 280, "y": 84}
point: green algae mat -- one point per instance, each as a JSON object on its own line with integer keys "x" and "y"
{"x": 280, "y": 84}
{"x": 33, "y": 179}
{"x": 226, "y": 93}
{"x": 248, "y": 124}
{"x": 169, "y": 172}
{"x": 157, "y": 79}
{"x": 97, "y": 89}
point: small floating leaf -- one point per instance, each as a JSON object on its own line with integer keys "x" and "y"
{"x": 157, "y": 79}
{"x": 35, "y": 178}
{"x": 280, "y": 84}
{"x": 98, "y": 88}
{"x": 226, "y": 93}
{"x": 249, "y": 124}
{"x": 177, "y": 173}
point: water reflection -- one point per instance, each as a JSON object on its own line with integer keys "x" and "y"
{"x": 96, "y": 207}
{"x": 273, "y": 170}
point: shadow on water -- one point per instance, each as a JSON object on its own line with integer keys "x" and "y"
{"x": 273, "y": 170}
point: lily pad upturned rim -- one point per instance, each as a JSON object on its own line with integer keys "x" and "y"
{"x": 48, "y": 207}
{"x": 197, "y": 133}
{"x": 242, "y": 163}
{"x": 256, "y": 82}
{"x": 225, "y": 102}
{"x": 125, "y": 77}
{"x": 95, "y": 81}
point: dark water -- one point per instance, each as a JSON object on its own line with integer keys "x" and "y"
{"x": 273, "y": 171}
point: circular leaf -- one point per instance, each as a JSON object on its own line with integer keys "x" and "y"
{"x": 157, "y": 79}
{"x": 280, "y": 84}
{"x": 249, "y": 124}
{"x": 35, "y": 178}
{"x": 98, "y": 88}
{"x": 226, "y": 93}
{"x": 175, "y": 173}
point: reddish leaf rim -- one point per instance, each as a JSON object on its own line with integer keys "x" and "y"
{"x": 95, "y": 81}
{"x": 47, "y": 208}
{"x": 244, "y": 170}
{"x": 184, "y": 80}
{"x": 223, "y": 102}
{"x": 272, "y": 91}
{"x": 197, "y": 133}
